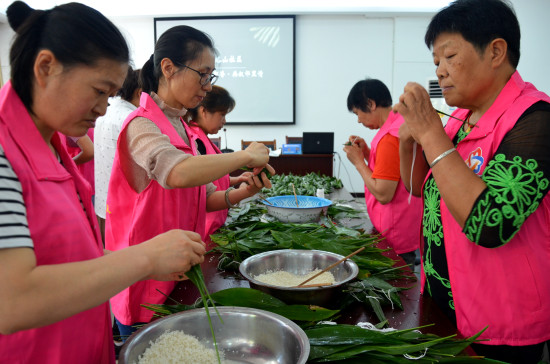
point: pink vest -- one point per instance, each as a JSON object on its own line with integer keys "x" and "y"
{"x": 133, "y": 218}
{"x": 61, "y": 232}
{"x": 214, "y": 219}
{"x": 87, "y": 169}
{"x": 506, "y": 288}
{"x": 398, "y": 221}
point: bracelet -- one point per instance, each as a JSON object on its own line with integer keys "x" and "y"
{"x": 441, "y": 156}
{"x": 229, "y": 204}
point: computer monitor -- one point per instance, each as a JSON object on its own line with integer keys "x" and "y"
{"x": 318, "y": 143}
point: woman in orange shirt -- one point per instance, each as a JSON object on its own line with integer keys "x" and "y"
{"x": 388, "y": 206}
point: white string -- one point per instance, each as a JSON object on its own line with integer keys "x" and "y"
{"x": 407, "y": 356}
{"x": 387, "y": 294}
{"x": 327, "y": 323}
{"x": 369, "y": 326}
{"x": 412, "y": 168}
{"x": 345, "y": 169}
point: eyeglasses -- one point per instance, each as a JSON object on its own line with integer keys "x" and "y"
{"x": 205, "y": 78}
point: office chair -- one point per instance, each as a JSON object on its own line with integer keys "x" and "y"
{"x": 271, "y": 144}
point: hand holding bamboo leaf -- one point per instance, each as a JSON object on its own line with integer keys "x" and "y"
{"x": 195, "y": 275}
{"x": 172, "y": 254}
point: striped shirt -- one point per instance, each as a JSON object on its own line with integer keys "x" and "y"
{"x": 14, "y": 228}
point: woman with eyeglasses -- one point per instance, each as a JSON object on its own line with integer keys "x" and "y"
{"x": 159, "y": 181}
{"x": 209, "y": 118}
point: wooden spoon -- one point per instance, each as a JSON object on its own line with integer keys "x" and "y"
{"x": 261, "y": 197}
{"x": 331, "y": 266}
{"x": 295, "y": 196}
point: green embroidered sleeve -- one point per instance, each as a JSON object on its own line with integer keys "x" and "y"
{"x": 517, "y": 180}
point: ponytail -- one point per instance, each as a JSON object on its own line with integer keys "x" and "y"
{"x": 18, "y": 12}
{"x": 28, "y": 25}
{"x": 148, "y": 80}
{"x": 181, "y": 44}
{"x": 75, "y": 33}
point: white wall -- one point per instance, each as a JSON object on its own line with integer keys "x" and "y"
{"x": 5, "y": 38}
{"x": 335, "y": 51}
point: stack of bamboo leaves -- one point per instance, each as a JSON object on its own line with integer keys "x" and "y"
{"x": 248, "y": 233}
{"x": 339, "y": 343}
{"x": 304, "y": 185}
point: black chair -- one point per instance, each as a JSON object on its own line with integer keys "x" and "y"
{"x": 294, "y": 140}
{"x": 271, "y": 144}
{"x": 216, "y": 141}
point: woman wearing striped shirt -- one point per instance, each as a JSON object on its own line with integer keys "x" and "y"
{"x": 55, "y": 279}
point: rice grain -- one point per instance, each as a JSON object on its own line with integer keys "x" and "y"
{"x": 286, "y": 279}
{"x": 176, "y": 347}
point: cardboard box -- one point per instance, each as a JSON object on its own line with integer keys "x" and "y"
{"x": 291, "y": 149}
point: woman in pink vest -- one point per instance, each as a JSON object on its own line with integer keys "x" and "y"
{"x": 388, "y": 205}
{"x": 484, "y": 180}
{"x": 55, "y": 280}
{"x": 158, "y": 181}
{"x": 82, "y": 151}
{"x": 209, "y": 118}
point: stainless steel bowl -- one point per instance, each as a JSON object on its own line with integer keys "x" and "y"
{"x": 300, "y": 262}
{"x": 246, "y": 335}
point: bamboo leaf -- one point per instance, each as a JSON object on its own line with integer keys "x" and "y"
{"x": 351, "y": 344}
{"x": 375, "y": 304}
{"x": 245, "y": 235}
{"x": 304, "y": 312}
{"x": 246, "y": 297}
{"x": 347, "y": 334}
{"x": 318, "y": 351}
{"x": 459, "y": 345}
{"x": 196, "y": 277}
{"x": 405, "y": 348}
{"x": 164, "y": 310}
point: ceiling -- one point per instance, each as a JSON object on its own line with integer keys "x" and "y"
{"x": 127, "y": 8}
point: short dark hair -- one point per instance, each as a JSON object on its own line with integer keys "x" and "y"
{"x": 217, "y": 100}
{"x": 182, "y": 44}
{"x": 368, "y": 89}
{"x": 74, "y": 33}
{"x": 130, "y": 85}
{"x": 478, "y": 22}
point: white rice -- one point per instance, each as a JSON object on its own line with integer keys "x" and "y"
{"x": 176, "y": 347}
{"x": 286, "y": 279}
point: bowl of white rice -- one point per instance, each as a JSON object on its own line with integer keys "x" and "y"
{"x": 279, "y": 272}
{"x": 246, "y": 335}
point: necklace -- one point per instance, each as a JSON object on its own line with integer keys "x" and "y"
{"x": 467, "y": 122}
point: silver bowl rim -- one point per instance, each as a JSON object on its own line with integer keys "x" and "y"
{"x": 301, "y": 335}
{"x": 244, "y": 263}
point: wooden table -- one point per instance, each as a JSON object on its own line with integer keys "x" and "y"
{"x": 418, "y": 310}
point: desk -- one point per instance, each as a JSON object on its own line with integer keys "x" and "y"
{"x": 418, "y": 310}
{"x": 302, "y": 164}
